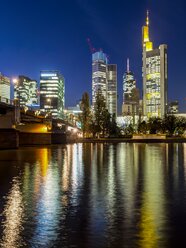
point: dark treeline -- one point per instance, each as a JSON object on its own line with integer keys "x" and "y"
{"x": 101, "y": 123}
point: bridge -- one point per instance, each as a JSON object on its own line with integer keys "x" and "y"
{"x": 9, "y": 113}
{"x": 31, "y": 128}
{"x": 6, "y": 105}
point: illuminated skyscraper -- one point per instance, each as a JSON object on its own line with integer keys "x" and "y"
{"x": 104, "y": 80}
{"x": 26, "y": 91}
{"x": 52, "y": 93}
{"x": 112, "y": 89}
{"x": 99, "y": 75}
{"x": 4, "y": 89}
{"x": 130, "y": 93}
{"x": 154, "y": 76}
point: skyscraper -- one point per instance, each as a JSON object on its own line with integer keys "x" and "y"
{"x": 99, "y": 75}
{"x": 130, "y": 93}
{"x": 26, "y": 91}
{"x": 154, "y": 76}
{"x": 52, "y": 93}
{"x": 112, "y": 89}
{"x": 4, "y": 89}
{"x": 104, "y": 80}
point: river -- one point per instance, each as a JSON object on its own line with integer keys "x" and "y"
{"x": 94, "y": 196}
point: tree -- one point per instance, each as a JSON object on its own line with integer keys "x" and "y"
{"x": 143, "y": 127}
{"x": 101, "y": 114}
{"x": 154, "y": 125}
{"x": 85, "y": 116}
{"x": 180, "y": 125}
{"x": 169, "y": 124}
{"x": 114, "y": 130}
{"x": 129, "y": 130}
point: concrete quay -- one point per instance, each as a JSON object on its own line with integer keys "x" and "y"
{"x": 11, "y": 138}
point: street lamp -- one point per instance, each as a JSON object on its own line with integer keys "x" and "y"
{"x": 16, "y": 102}
{"x": 15, "y": 80}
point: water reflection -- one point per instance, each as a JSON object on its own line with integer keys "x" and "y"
{"x": 152, "y": 210}
{"x": 94, "y": 195}
{"x": 13, "y": 215}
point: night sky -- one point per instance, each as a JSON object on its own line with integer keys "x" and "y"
{"x": 51, "y": 34}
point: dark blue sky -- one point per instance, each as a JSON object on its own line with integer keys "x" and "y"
{"x": 51, "y": 34}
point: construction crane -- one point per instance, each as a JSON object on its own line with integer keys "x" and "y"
{"x": 92, "y": 49}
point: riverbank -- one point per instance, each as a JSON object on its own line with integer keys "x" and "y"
{"x": 133, "y": 140}
{"x": 12, "y": 139}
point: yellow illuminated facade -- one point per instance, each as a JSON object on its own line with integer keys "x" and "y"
{"x": 147, "y": 44}
{"x": 154, "y": 76}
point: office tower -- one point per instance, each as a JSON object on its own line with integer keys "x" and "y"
{"x": 112, "y": 89}
{"x": 104, "y": 80}
{"x": 99, "y": 75}
{"x": 173, "y": 107}
{"x": 154, "y": 76}
{"x": 4, "y": 89}
{"x": 130, "y": 93}
{"x": 26, "y": 91}
{"x": 52, "y": 93}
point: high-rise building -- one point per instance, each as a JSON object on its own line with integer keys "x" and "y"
{"x": 154, "y": 76}
{"x": 99, "y": 75}
{"x": 4, "y": 89}
{"x": 104, "y": 80}
{"x": 130, "y": 93}
{"x": 26, "y": 91}
{"x": 112, "y": 89}
{"x": 52, "y": 93}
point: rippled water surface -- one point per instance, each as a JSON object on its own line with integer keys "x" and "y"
{"x": 93, "y": 195}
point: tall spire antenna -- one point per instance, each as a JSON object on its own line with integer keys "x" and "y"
{"x": 128, "y": 67}
{"x": 147, "y": 19}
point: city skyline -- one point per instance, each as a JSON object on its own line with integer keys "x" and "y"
{"x": 25, "y": 49}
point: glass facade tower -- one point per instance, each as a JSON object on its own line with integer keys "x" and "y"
{"x": 52, "y": 93}
{"x": 99, "y": 75}
{"x": 112, "y": 89}
{"x": 104, "y": 80}
{"x": 129, "y": 83}
{"x": 130, "y": 93}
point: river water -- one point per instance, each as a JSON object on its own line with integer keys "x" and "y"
{"x": 93, "y": 195}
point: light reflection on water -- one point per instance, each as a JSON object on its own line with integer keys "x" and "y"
{"x": 13, "y": 217}
{"x": 93, "y": 195}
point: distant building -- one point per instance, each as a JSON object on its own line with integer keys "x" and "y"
{"x": 52, "y": 93}
{"x": 130, "y": 94}
{"x": 112, "y": 89}
{"x": 4, "y": 89}
{"x": 99, "y": 75}
{"x": 72, "y": 113}
{"x": 74, "y": 110}
{"x": 26, "y": 91}
{"x": 173, "y": 107}
{"x": 154, "y": 76}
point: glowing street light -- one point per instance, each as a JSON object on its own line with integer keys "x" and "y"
{"x": 15, "y": 80}
{"x": 16, "y": 103}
